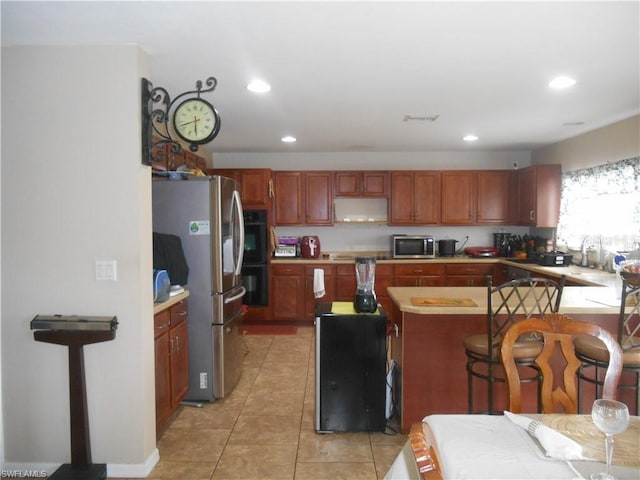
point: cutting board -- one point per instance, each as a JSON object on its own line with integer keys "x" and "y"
{"x": 443, "y": 302}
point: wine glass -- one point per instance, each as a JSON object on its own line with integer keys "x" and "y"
{"x": 611, "y": 417}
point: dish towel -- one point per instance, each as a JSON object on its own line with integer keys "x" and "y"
{"x": 555, "y": 444}
{"x": 318, "y": 283}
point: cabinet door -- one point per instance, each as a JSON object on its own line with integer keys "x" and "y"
{"x": 287, "y": 292}
{"x": 375, "y": 184}
{"x": 526, "y": 196}
{"x": 347, "y": 184}
{"x": 288, "y": 203}
{"x": 256, "y": 187}
{"x": 548, "y": 186}
{"x": 163, "y": 379}
{"x": 494, "y": 197}
{"x": 318, "y": 198}
{"x": 426, "y": 198}
{"x": 361, "y": 184}
{"x": 401, "y": 203}
{"x": 458, "y": 198}
{"x": 179, "y": 363}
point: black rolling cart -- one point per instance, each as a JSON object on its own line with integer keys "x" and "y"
{"x": 350, "y": 369}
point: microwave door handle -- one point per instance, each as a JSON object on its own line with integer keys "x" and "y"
{"x": 238, "y": 205}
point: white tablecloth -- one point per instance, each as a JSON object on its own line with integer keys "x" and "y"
{"x": 478, "y": 447}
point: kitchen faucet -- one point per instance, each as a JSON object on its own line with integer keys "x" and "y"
{"x": 583, "y": 248}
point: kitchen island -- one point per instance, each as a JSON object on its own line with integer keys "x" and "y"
{"x": 427, "y": 346}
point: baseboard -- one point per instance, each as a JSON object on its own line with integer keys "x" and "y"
{"x": 128, "y": 470}
{"x": 114, "y": 470}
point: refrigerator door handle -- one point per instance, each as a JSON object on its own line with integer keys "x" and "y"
{"x": 238, "y": 204}
{"x": 236, "y": 297}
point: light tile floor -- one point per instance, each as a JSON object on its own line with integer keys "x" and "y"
{"x": 264, "y": 428}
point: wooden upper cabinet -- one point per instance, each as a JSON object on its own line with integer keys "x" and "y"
{"x": 288, "y": 198}
{"x": 458, "y": 197}
{"x": 318, "y": 198}
{"x": 302, "y": 198}
{"x": 496, "y": 197}
{"x": 539, "y": 195}
{"x": 415, "y": 198}
{"x": 256, "y": 188}
{"x": 361, "y": 184}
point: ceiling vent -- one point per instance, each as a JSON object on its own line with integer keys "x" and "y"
{"x": 420, "y": 118}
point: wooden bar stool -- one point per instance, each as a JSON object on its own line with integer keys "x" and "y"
{"x": 508, "y": 303}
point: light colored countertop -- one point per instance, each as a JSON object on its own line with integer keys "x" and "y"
{"x": 584, "y": 276}
{"x": 158, "y": 307}
{"x": 575, "y": 300}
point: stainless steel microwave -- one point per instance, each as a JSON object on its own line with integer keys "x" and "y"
{"x": 413, "y": 246}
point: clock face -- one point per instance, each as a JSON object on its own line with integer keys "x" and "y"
{"x": 196, "y": 121}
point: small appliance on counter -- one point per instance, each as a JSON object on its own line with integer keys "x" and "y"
{"x": 365, "y": 298}
{"x": 481, "y": 251}
{"x": 502, "y": 241}
{"x": 310, "y": 246}
{"x": 287, "y": 247}
{"x": 413, "y": 246}
{"x": 554, "y": 259}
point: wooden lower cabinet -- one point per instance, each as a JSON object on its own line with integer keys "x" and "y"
{"x": 468, "y": 274}
{"x": 171, "y": 360}
{"x": 287, "y": 291}
{"x": 418, "y": 275}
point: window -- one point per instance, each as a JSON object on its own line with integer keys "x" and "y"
{"x": 601, "y": 206}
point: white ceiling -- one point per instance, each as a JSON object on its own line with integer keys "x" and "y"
{"x": 345, "y": 74}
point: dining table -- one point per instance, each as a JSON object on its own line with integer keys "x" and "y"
{"x": 479, "y": 447}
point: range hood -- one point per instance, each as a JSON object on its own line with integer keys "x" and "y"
{"x": 360, "y": 210}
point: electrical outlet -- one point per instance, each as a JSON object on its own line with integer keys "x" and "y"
{"x": 203, "y": 380}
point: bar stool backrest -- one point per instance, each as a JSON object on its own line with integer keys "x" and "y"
{"x": 629, "y": 321}
{"x": 519, "y": 299}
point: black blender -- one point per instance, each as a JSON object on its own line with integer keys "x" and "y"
{"x": 365, "y": 299}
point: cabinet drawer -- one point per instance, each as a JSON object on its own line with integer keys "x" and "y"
{"x": 286, "y": 269}
{"x": 469, "y": 269}
{"x": 328, "y": 269}
{"x": 178, "y": 313}
{"x": 161, "y": 321}
{"x": 419, "y": 269}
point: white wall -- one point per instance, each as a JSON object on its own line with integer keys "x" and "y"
{"x": 374, "y": 160}
{"x": 73, "y": 191}
{"x": 618, "y": 141}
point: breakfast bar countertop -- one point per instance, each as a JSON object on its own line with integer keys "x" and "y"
{"x": 575, "y": 300}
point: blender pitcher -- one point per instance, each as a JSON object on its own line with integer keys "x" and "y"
{"x": 365, "y": 299}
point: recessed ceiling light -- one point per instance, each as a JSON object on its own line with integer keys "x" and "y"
{"x": 288, "y": 139}
{"x": 470, "y": 138}
{"x": 258, "y": 86}
{"x": 561, "y": 82}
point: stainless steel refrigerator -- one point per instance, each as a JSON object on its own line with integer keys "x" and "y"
{"x": 206, "y": 213}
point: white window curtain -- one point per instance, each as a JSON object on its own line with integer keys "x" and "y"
{"x": 601, "y": 205}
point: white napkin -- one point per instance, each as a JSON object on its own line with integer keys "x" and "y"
{"x": 318, "y": 283}
{"x": 555, "y": 444}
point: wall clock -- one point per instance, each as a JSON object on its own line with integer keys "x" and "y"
{"x": 194, "y": 120}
